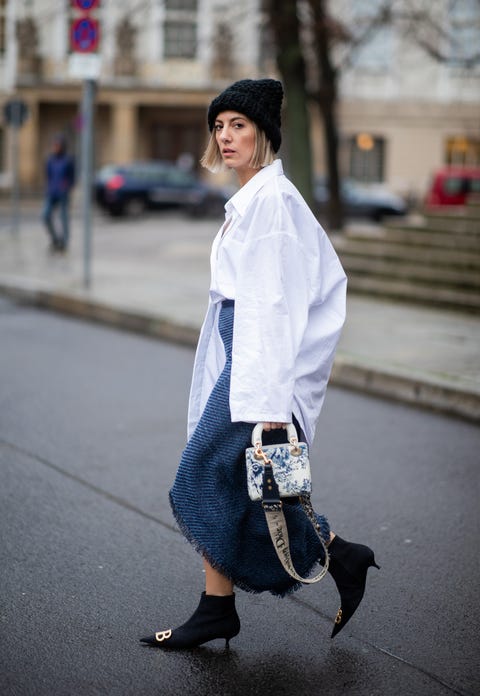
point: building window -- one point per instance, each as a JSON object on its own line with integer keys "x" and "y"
{"x": 461, "y": 150}
{"x": 180, "y": 29}
{"x": 180, "y": 39}
{"x": 366, "y": 157}
{"x": 3, "y": 27}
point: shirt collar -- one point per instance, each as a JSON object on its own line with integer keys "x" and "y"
{"x": 243, "y": 197}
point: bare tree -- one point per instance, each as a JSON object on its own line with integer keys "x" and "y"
{"x": 285, "y": 27}
{"x": 448, "y": 37}
{"x": 314, "y": 46}
{"x": 326, "y": 90}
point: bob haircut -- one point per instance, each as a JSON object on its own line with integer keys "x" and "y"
{"x": 263, "y": 153}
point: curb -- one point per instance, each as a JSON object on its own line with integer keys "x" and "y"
{"x": 414, "y": 390}
{"x": 92, "y": 310}
{"x": 347, "y": 372}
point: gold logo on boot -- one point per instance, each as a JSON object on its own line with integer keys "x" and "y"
{"x": 338, "y": 618}
{"x": 163, "y": 635}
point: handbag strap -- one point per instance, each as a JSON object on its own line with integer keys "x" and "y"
{"x": 277, "y": 526}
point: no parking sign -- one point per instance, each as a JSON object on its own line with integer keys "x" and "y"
{"x": 85, "y": 34}
{"x": 85, "y": 28}
{"x": 86, "y": 5}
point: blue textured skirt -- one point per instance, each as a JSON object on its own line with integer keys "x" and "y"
{"x": 210, "y": 501}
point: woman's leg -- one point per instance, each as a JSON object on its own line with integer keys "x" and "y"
{"x": 47, "y": 217}
{"x": 216, "y": 583}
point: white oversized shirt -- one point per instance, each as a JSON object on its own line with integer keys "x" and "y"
{"x": 275, "y": 261}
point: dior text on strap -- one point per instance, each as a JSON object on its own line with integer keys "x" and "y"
{"x": 282, "y": 471}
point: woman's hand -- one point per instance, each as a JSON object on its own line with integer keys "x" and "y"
{"x": 273, "y": 426}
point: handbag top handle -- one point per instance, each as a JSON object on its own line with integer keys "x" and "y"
{"x": 258, "y": 430}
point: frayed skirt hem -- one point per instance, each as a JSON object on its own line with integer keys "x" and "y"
{"x": 220, "y": 567}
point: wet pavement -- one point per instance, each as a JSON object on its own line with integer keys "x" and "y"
{"x": 152, "y": 274}
{"x": 92, "y": 422}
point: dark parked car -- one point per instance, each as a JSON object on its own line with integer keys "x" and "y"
{"x": 132, "y": 188}
{"x": 362, "y": 201}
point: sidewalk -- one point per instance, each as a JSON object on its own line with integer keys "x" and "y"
{"x": 151, "y": 275}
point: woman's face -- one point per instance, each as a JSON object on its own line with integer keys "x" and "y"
{"x": 235, "y": 136}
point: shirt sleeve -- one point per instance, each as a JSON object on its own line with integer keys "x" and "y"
{"x": 271, "y": 313}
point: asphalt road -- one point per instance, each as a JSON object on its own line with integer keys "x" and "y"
{"x": 92, "y": 422}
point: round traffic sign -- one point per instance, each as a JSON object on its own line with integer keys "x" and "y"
{"x": 86, "y": 5}
{"x": 85, "y": 35}
{"x": 15, "y": 112}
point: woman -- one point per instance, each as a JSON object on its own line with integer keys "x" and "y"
{"x": 276, "y": 309}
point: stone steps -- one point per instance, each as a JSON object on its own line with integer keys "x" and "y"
{"x": 455, "y": 219}
{"x": 453, "y": 225}
{"x": 382, "y": 247}
{"x": 414, "y": 292}
{"x": 452, "y": 276}
{"x": 421, "y": 235}
{"x": 435, "y": 260}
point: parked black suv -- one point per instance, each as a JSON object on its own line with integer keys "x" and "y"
{"x": 131, "y": 189}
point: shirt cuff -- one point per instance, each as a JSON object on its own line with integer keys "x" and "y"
{"x": 239, "y": 416}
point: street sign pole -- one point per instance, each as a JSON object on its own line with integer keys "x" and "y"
{"x": 85, "y": 63}
{"x": 15, "y": 203}
{"x": 87, "y": 151}
{"x": 15, "y": 113}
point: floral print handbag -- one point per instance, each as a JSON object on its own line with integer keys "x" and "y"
{"x": 282, "y": 471}
{"x": 290, "y": 463}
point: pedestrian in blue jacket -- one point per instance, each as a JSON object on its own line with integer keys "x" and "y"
{"x": 60, "y": 176}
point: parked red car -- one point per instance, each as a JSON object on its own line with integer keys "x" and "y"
{"x": 452, "y": 186}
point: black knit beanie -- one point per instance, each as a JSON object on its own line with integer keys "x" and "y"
{"x": 260, "y": 100}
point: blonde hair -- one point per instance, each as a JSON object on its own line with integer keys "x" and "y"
{"x": 263, "y": 153}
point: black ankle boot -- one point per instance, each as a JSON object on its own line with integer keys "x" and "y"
{"x": 215, "y": 617}
{"x": 348, "y": 567}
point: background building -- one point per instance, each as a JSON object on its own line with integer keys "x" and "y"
{"x": 162, "y": 62}
{"x": 408, "y": 103}
{"x": 402, "y": 113}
